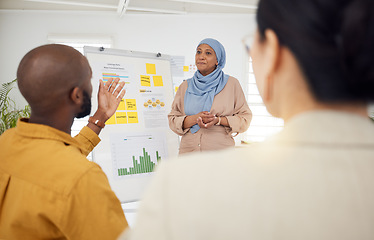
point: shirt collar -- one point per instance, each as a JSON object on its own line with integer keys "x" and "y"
{"x": 40, "y": 131}
{"x": 328, "y": 127}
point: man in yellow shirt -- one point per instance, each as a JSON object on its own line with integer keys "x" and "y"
{"x": 48, "y": 189}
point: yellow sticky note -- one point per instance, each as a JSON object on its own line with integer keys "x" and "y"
{"x": 151, "y": 68}
{"x": 186, "y": 69}
{"x": 121, "y": 117}
{"x": 131, "y": 104}
{"x": 145, "y": 80}
{"x": 133, "y": 117}
{"x": 121, "y": 105}
{"x": 111, "y": 120}
{"x": 157, "y": 81}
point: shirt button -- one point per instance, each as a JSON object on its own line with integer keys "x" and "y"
{"x": 198, "y": 144}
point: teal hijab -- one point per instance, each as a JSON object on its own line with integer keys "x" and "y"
{"x": 202, "y": 89}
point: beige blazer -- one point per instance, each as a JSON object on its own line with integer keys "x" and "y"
{"x": 230, "y": 103}
{"x": 314, "y": 180}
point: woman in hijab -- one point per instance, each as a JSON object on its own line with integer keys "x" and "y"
{"x": 211, "y": 105}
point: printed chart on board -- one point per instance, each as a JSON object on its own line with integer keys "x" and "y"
{"x": 122, "y": 71}
{"x": 147, "y": 150}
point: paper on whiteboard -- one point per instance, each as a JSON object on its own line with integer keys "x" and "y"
{"x": 137, "y": 154}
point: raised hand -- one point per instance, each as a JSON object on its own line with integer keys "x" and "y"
{"x": 109, "y": 97}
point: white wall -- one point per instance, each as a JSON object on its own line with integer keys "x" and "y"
{"x": 21, "y": 31}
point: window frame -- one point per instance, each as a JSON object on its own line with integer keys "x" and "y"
{"x": 263, "y": 124}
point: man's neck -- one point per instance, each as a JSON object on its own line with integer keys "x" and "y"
{"x": 56, "y": 121}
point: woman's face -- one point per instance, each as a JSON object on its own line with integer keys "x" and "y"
{"x": 205, "y": 59}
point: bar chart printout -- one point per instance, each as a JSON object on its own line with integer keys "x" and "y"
{"x": 137, "y": 154}
{"x": 144, "y": 165}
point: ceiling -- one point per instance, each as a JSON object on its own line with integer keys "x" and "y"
{"x": 121, "y": 7}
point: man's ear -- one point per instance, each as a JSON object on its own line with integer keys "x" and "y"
{"x": 272, "y": 54}
{"x": 76, "y": 96}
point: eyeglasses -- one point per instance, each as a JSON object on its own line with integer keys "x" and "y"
{"x": 247, "y": 43}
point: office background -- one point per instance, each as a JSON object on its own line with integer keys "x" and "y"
{"x": 175, "y": 34}
{"x": 172, "y": 34}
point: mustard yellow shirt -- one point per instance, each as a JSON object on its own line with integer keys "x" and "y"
{"x": 49, "y": 190}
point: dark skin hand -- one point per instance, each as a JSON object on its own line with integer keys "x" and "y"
{"x": 204, "y": 120}
{"x": 109, "y": 97}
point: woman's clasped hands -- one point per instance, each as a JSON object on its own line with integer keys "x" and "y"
{"x": 206, "y": 119}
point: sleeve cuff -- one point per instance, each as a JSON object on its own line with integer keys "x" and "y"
{"x": 86, "y": 135}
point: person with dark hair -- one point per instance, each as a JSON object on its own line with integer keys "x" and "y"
{"x": 48, "y": 189}
{"x": 313, "y": 62}
{"x": 209, "y": 107}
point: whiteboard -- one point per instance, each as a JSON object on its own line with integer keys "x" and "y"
{"x": 137, "y": 137}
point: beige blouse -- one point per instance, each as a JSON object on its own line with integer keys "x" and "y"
{"x": 229, "y": 103}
